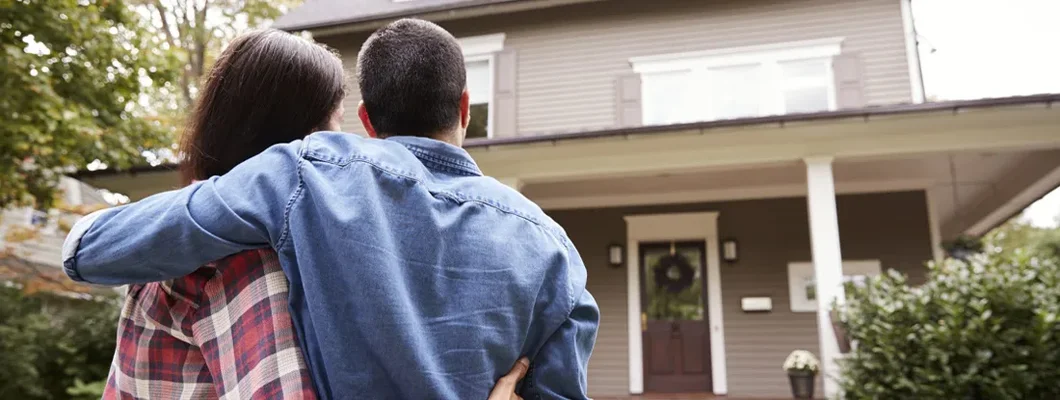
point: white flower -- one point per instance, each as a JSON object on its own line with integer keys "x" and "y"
{"x": 802, "y": 360}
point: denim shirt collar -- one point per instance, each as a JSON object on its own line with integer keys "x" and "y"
{"x": 436, "y": 154}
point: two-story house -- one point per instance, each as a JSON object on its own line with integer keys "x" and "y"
{"x": 721, "y": 165}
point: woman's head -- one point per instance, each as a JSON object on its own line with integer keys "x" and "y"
{"x": 267, "y": 87}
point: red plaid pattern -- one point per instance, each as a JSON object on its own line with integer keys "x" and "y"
{"x": 223, "y": 332}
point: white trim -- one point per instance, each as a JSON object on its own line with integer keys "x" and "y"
{"x": 799, "y": 271}
{"x": 912, "y": 53}
{"x": 684, "y": 226}
{"x": 702, "y": 196}
{"x": 934, "y": 227}
{"x": 817, "y": 48}
{"x": 827, "y": 262}
{"x": 491, "y": 67}
{"x": 481, "y": 45}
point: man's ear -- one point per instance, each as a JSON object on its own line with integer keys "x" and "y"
{"x": 465, "y": 110}
{"x": 362, "y": 113}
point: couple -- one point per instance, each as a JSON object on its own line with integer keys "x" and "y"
{"x": 408, "y": 273}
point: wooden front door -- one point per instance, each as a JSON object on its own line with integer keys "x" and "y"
{"x": 674, "y": 321}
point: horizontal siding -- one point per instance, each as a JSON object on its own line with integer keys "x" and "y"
{"x": 569, "y": 57}
{"x": 890, "y": 227}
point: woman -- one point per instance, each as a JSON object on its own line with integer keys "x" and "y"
{"x": 225, "y": 330}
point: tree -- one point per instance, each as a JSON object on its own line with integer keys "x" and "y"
{"x": 73, "y": 74}
{"x": 1017, "y": 234}
{"x": 196, "y": 30}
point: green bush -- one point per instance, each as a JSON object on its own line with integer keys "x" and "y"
{"x": 52, "y": 347}
{"x": 985, "y": 328}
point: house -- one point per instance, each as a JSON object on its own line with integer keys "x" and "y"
{"x": 721, "y": 165}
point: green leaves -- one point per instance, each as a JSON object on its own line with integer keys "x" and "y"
{"x": 49, "y": 343}
{"x": 72, "y": 73}
{"x": 986, "y": 328}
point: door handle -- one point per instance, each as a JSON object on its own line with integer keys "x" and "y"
{"x": 643, "y": 322}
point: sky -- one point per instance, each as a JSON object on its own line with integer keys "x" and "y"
{"x": 992, "y": 48}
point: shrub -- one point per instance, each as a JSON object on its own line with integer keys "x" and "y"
{"x": 53, "y": 347}
{"x": 985, "y": 328}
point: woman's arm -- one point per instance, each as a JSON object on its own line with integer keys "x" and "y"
{"x": 170, "y": 234}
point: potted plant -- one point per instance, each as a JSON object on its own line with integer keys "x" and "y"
{"x": 802, "y": 367}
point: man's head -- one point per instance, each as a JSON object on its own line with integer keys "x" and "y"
{"x": 413, "y": 82}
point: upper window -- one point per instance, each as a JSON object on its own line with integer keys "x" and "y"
{"x": 479, "y": 54}
{"x": 738, "y": 83}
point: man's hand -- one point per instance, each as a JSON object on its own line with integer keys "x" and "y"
{"x": 505, "y": 388}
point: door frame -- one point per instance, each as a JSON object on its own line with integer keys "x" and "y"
{"x": 675, "y": 227}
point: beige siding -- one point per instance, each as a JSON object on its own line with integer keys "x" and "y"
{"x": 569, "y": 57}
{"x": 890, "y": 227}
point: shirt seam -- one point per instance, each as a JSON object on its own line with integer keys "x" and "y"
{"x": 302, "y": 153}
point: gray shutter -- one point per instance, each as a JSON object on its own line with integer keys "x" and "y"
{"x": 627, "y": 100}
{"x": 505, "y": 112}
{"x": 850, "y": 90}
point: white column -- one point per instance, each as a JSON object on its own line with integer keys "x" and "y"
{"x": 827, "y": 262}
{"x": 514, "y": 183}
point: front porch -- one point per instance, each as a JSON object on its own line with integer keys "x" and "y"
{"x": 809, "y": 204}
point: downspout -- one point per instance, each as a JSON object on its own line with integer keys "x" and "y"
{"x": 912, "y": 50}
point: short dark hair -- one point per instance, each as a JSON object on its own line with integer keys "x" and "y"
{"x": 267, "y": 87}
{"x": 411, "y": 74}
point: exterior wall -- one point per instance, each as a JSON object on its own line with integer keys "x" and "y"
{"x": 568, "y": 58}
{"x": 891, "y": 227}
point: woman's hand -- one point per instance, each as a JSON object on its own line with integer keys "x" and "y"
{"x": 505, "y": 388}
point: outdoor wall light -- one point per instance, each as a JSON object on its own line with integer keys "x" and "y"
{"x": 616, "y": 255}
{"x": 729, "y": 250}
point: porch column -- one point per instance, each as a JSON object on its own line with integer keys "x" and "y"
{"x": 514, "y": 183}
{"x": 827, "y": 262}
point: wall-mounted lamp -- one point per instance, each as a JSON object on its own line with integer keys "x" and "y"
{"x": 729, "y": 250}
{"x": 616, "y": 255}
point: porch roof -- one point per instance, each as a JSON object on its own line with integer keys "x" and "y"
{"x": 955, "y": 106}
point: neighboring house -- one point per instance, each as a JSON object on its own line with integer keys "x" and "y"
{"x": 791, "y": 135}
{"x": 31, "y": 242}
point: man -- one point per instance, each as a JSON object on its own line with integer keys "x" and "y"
{"x": 411, "y": 274}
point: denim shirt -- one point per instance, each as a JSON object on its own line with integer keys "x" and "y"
{"x": 411, "y": 274}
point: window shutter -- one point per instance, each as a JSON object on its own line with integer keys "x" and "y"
{"x": 505, "y": 112}
{"x": 850, "y": 91}
{"x": 627, "y": 100}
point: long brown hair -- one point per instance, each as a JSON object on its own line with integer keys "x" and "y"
{"x": 267, "y": 87}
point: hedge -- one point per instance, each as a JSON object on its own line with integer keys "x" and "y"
{"x": 984, "y": 328}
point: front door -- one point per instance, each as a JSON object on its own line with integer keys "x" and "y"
{"x": 674, "y": 320}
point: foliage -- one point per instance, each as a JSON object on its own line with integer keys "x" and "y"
{"x": 196, "y": 30}
{"x": 72, "y": 75}
{"x": 802, "y": 360}
{"x": 984, "y": 328}
{"x": 1017, "y": 234}
{"x": 50, "y": 345}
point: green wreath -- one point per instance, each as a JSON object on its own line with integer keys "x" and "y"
{"x": 674, "y": 273}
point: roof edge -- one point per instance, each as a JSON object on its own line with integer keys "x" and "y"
{"x": 907, "y": 108}
{"x": 953, "y": 105}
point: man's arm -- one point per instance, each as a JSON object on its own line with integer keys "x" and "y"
{"x": 170, "y": 234}
{"x": 560, "y": 368}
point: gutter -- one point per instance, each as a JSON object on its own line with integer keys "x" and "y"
{"x": 954, "y": 106}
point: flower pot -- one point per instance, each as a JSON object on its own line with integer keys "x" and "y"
{"x": 802, "y": 384}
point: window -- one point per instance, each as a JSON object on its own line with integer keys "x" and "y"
{"x": 478, "y": 58}
{"x": 738, "y": 83}
{"x": 802, "y": 285}
{"x": 480, "y": 90}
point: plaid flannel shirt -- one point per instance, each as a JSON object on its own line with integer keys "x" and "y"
{"x": 223, "y": 332}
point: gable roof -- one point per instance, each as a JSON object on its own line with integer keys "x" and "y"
{"x": 314, "y": 14}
